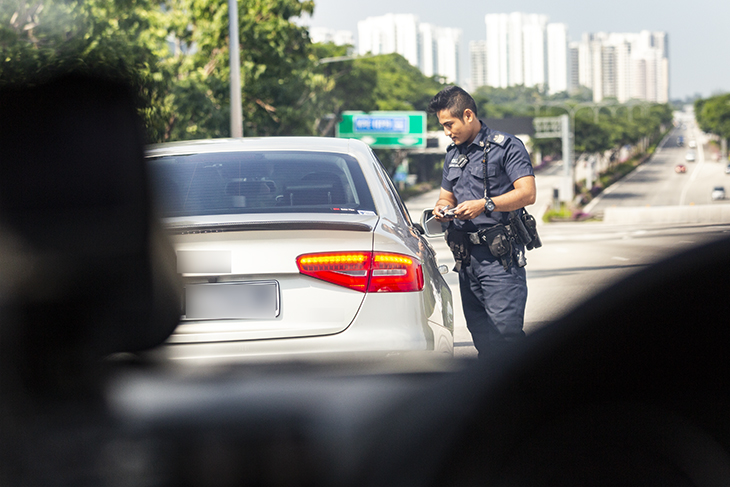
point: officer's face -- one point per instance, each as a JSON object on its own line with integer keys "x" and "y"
{"x": 460, "y": 130}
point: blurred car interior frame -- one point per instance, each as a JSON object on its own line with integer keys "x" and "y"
{"x": 85, "y": 269}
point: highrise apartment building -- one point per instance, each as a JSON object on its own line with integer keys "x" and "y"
{"x": 625, "y": 66}
{"x": 478, "y": 57}
{"x": 434, "y": 50}
{"x": 388, "y": 34}
{"x": 439, "y": 52}
{"x": 523, "y": 49}
{"x": 515, "y": 49}
{"x": 573, "y": 67}
{"x": 557, "y": 58}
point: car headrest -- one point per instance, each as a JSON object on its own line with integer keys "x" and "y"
{"x": 98, "y": 275}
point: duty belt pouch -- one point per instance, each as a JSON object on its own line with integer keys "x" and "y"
{"x": 524, "y": 228}
{"x": 458, "y": 242}
{"x": 498, "y": 242}
{"x": 531, "y": 226}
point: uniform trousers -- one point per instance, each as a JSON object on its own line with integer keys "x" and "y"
{"x": 493, "y": 300}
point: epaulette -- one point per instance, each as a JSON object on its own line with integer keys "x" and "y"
{"x": 450, "y": 147}
{"x": 497, "y": 138}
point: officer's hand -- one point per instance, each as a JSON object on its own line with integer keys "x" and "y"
{"x": 440, "y": 212}
{"x": 468, "y": 210}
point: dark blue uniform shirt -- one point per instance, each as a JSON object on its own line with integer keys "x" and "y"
{"x": 507, "y": 161}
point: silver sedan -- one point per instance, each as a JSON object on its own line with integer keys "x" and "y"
{"x": 294, "y": 245}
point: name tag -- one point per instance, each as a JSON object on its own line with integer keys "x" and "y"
{"x": 459, "y": 161}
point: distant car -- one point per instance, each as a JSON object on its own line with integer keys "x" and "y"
{"x": 718, "y": 193}
{"x": 692, "y": 144}
{"x": 690, "y": 156}
{"x": 293, "y": 246}
{"x": 727, "y": 169}
{"x": 680, "y": 141}
{"x": 680, "y": 168}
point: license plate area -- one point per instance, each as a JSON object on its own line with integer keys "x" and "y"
{"x": 232, "y": 300}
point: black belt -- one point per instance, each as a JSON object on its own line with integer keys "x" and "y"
{"x": 475, "y": 237}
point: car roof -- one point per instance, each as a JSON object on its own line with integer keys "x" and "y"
{"x": 328, "y": 144}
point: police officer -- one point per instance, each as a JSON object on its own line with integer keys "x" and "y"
{"x": 493, "y": 290}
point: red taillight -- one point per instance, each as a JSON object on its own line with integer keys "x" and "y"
{"x": 395, "y": 273}
{"x": 365, "y": 271}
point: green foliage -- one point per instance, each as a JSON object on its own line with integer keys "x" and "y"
{"x": 277, "y": 69}
{"x": 713, "y": 114}
{"x": 350, "y": 85}
{"x": 562, "y": 213}
{"x": 184, "y": 96}
{"x": 516, "y": 101}
{"x": 122, "y": 39}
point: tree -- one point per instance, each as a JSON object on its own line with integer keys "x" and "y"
{"x": 122, "y": 39}
{"x": 713, "y": 115}
{"x": 350, "y": 85}
{"x": 277, "y": 69}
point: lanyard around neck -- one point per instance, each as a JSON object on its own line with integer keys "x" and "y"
{"x": 487, "y": 148}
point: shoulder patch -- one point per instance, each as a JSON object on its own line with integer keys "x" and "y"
{"x": 497, "y": 138}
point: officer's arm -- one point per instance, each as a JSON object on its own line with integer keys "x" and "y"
{"x": 523, "y": 195}
{"x": 446, "y": 199}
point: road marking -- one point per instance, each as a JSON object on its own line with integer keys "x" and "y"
{"x": 591, "y": 204}
{"x": 620, "y": 258}
{"x": 695, "y": 172}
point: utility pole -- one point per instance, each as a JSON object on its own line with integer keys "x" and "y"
{"x": 235, "y": 56}
{"x": 552, "y": 127}
{"x": 568, "y": 138}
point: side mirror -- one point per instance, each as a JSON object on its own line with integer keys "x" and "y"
{"x": 431, "y": 226}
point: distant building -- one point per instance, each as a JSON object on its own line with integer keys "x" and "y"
{"x": 557, "y": 58}
{"x": 439, "y": 48}
{"x": 625, "y": 66}
{"x": 515, "y": 49}
{"x": 524, "y": 49}
{"x": 478, "y": 57}
{"x": 434, "y": 50}
{"x": 573, "y": 67}
{"x": 390, "y": 33}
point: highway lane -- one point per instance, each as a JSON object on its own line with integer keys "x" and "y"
{"x": 655, "y": 183}
{"x": 577, "y": 260}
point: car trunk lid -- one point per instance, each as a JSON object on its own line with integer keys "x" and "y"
{"x": 252, "y": 266}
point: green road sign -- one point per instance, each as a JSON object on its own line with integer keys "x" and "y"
{"x": 385, "y": 130}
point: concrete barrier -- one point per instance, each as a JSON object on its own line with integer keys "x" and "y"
{"x": 719, "y": 213}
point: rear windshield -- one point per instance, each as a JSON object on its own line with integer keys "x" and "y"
{"x": 259, "y": 182}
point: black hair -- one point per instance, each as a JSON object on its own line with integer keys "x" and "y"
{"x": 455, "y": 100}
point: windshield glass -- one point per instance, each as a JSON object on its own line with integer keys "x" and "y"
{"x": 259, "y": 182}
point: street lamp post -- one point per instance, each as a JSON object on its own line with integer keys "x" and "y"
{"x": 235, "y": 62}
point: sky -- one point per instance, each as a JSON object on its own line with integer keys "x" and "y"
{"x": 699, "y": 30}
